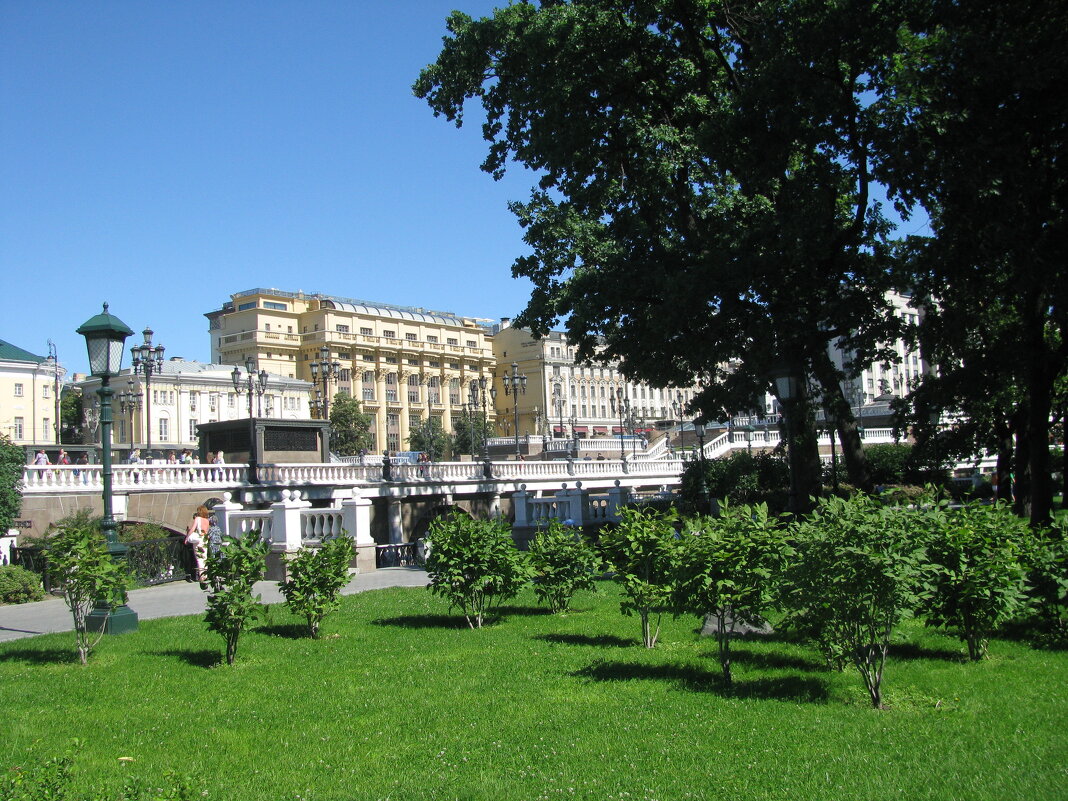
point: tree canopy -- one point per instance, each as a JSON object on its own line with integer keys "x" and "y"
{"x": 351, "y": 427}
{"x": 705, "y": 205}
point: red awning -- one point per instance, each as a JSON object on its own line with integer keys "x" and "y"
{"x": 600, "y": 429}
{"x": 582, "y": 429}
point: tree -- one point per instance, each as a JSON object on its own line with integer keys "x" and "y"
{"x": 232, "y": 571}
{"x": 469, "y": 432}
{"x": 12, "y": 462}
{"x": 974, "y": 131}
{"x": 474, "y": 564}
{"x": 562, "y": 563}
{"x": 729, "y": 568}
{"x": 70, "y": 415}
{"x": 78, "y": 558}
{"x": 429, "y": 436}
{"x": 316, "y": 578}
{"x": 857, "y": 574}
{"x": 976, "y": 574}
{"x": 351, "y": 427}
{"x": 704, "y": 205}
{"x": 641, "y": 550}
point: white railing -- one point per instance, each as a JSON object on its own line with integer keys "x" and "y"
{"x": 75, "y": 478}
{"x": 245, "y": 521}
{"x": 318, "y": 524}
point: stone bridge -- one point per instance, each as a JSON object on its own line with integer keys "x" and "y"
{"x": 300, "y": 503}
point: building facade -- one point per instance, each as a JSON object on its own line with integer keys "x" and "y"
{"x": 30, "y": 388}
{"x": 405, "y": 365}
{"x": 163, "y": 415}
{"x": 564, "y": 399}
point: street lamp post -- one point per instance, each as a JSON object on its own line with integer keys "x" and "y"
{"x": 326, "y": 369}
{"x": 515, "y": 384}
{"x": 786, "y": 389}
{"x": 699, "y": 427}
{"x": 254, "y": 385}
{"x": 130, "y": 401}
{"x": 148, "y": 361}
{"x": 105, "y": 336}
{"x": 573, "y": 446}
{"x": 558, "y": 400}
{"x": 479, "y": 393}
{"x": 621, "y": 406}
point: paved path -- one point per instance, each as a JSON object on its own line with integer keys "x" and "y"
{"x": 178, "y": 598}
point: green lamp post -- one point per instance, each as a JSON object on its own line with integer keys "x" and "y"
{"x": 105, "y": 336}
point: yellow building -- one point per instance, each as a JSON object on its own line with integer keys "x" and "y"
{"x": 29, "y": 396}
{"x": 403, "y": 364}
{"x": 566, "y": 399}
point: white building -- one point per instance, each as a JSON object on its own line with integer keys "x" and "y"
{"x": 163, "y": 413}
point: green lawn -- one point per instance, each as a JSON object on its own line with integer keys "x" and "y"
{"x": 401, "y": 701}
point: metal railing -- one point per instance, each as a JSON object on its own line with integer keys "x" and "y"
{"x": 149, "y": 562}
{"x": 401, "y": 554}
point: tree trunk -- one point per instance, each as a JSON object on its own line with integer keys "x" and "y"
{"x": 838, "y": 409}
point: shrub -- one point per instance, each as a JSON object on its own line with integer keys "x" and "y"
{"x": 642, "y": 551}
{"x": 19, "y": 585}
{"x": 474, "y": 564}
{"x": 856, "y": 575}
{"x": 139, "y": 532}
{"x": 728, "y": 568}
{"x": 12, "y": 462}
{"x": 888, "y": 463}
{"x": 740, "y": 478}
{"x": 1046, "y": 562}
{"x": 316, "y": 577}
{"x": 976, "y": 577}
{"x": 79, "y": 559}
{"x": 562, "y": 564}
{"x": 232, "y": 571}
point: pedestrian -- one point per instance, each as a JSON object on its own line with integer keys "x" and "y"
{"x": 41, "y": 458}
{"x": 62, "y": 458}
{"x": 172, "y": 458}
{"x": 135, "y": 456}
{"x": 195, "y": 537}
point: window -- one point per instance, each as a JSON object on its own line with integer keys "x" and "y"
{"x": 390, "y": 360}
{"x": 212, "y": 401}
{"x": 452, "y": 341}
{"x": 266, "y": 326}
{"x": 414, "y": 421}
{"x": 413, "y": 389}
{"x": 433, "y": 364}
{"x": 244, "y": 306}
{"x": 231, "y": 400}
{"x": 163, "y": 426}
{"x": 367, "y": 331}
{"x": 342, "y": 329}
{"x": 44, "y": 391}
{"x": 46, "y": 426}
{"x": 367, "y": 357}
{"x": 18, "y": 393}
{"x": 472, "y": 343}
{"x": 454, "y": 391}
{"x": 390, "y": 334}
{"x": 391, "y": 388}
{"x": 410, "y": 337}
{"x": 270, "y": 304}
{"x": 431, "y": 338}
{"x": 192, "y": 429}
{"x": 413, "y": 362}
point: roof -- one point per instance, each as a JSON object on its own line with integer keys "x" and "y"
{"x": 13, "y": 353}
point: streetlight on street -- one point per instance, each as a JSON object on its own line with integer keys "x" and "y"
{"x": 326, "y": 369}
{"x": 786, "y": 389}
{"x": 105, "y": 337}
{"x": 515, "y": 384}
{"x": 479, "y": 393}
{"x": 254, "y": 385}
{"x": 148, "y": 361}
{"x": 558, "y": 401}
{"x": 130, "y": 401}
{"x": 622, "y": 408}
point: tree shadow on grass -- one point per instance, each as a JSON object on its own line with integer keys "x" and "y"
{"x": 425, "y": 622}
{"x": 760, "y": 659}
{"x": 908, "y": 650}
{"x": 602, "y": 641}
{"x": 529, "y": 611}
{"x": 289, "y": 631}
{"x": 40, "y": 656}
{"x": 203, "y": 658}
{"x": 785, "y": 688}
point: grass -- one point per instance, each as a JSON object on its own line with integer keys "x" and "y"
{"x": 400, "y": 700}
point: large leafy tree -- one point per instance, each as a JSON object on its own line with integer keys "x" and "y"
{"x": 12, "y": 460}
{"x": 351, "y": 428}
{"x": 430, "y": 436}
{"x": 704, "y": 203}
{"x": 975, "y": 129}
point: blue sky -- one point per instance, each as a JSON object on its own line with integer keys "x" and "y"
{"x": 164, "y": 155}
